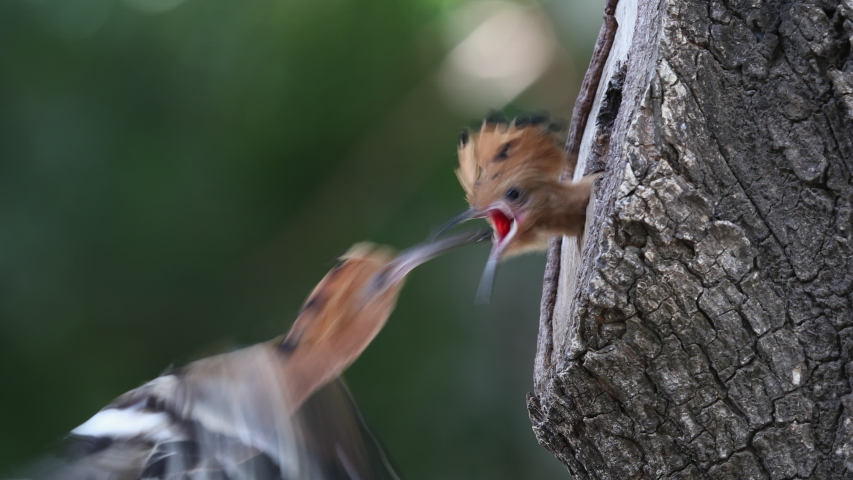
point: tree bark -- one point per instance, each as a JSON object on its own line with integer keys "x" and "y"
{"x": 705, "y": 329}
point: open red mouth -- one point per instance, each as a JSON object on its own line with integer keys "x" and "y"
{"x": 501, "y": 222}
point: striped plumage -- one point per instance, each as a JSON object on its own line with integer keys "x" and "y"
{"x": 216, "y": 433}
{"x": 269, "y": 411}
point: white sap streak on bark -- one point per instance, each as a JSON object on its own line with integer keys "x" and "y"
{"x": 626, "y": 15}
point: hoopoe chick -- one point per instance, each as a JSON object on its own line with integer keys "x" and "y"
{"x": 237, "y": 415}
{"x": 511, "y": 176}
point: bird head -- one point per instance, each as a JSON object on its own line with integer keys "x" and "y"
{"x": 510, "y": 172}
{"x": 349, "y": 307}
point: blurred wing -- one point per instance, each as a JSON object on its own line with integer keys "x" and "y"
{"x": 338, "y": 438}
{"x": 221, "y": 418}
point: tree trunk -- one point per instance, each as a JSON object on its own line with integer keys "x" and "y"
{"x": 711, "y": 331}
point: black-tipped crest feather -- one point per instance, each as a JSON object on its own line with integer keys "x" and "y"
{"x": 538, "y": 118}
{"x": 464, "y": 137}
{"x": 496, "y": 116}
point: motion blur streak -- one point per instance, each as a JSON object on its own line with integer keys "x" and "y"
{"x": 239, "y": 416}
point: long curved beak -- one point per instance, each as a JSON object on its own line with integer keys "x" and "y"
{"x": 506, "y": 226}
{"x": 407, "y": 260}
{"x": 463, "y": 217}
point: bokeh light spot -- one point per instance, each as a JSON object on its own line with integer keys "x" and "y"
{"x": 507, "y": 48}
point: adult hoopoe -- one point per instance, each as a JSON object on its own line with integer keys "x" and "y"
{"x": 511, "y": 175}
{"x": 252, "y": 414}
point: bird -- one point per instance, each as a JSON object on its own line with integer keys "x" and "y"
{"x": 275, "y": 410}
{"x": 510, "y": 172}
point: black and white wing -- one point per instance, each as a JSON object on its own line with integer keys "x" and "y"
{"x": 221, "y": 418}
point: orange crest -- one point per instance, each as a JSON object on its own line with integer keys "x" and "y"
{"x": 501, "y": 154}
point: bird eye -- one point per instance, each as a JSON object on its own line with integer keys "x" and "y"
{"x": 512, "y": 194}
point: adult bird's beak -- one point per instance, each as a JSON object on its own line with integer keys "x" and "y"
{"x": 407, "y": 260}
{"x": 505, "y": 228}
{"x": 463, "y": 217}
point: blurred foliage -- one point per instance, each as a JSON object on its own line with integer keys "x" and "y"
{"x": 175, "y": 176}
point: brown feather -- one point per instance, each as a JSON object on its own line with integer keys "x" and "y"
{"x": 345, "y": 317}
{"x": 534, "y": 151}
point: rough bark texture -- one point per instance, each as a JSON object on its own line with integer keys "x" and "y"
{"x": 711, "y": 332}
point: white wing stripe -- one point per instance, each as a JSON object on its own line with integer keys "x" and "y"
{"x": 128, "y": 423}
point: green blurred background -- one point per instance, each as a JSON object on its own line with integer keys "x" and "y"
{"x": 176, "y": 175}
